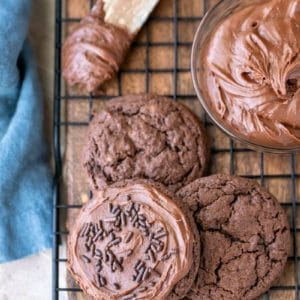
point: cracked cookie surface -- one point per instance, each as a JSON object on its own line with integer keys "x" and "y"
{"x": 244, "y": 234}
{"x": 147, "y": 137}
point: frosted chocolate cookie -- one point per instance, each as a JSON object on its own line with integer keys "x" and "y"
{"x": 244, "y": 234}
{"x": 134, "y": 241}
{"x": 148, "y": 137}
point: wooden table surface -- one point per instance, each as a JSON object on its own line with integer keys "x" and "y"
{"x": 160, "y": 59}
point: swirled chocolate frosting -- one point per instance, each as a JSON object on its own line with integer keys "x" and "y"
{"x": 250, "y": 72}
{"x": 130, "y": 242}
{"x": 93, "y": 53}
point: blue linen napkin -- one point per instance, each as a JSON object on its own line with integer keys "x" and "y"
{"x": 25, "y": 176}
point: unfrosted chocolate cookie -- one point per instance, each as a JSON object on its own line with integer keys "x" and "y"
{"x": 148, "y": 137}
{"x": 244, "y": 234}
{"x": 134, "y": 241}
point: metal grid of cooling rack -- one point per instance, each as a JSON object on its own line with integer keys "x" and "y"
{"x": 58, "y": 233}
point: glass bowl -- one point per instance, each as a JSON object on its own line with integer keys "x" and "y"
{"x": 209, "y": 22}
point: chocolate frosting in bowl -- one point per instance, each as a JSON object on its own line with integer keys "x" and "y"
{"x": 130, "y": 242}
{"x": 250, "y": 73}
{"x": 93, "y": 53}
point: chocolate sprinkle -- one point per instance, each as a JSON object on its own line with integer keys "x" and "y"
{"x": 99, "y": 263}
{"x": 98, "y": 253}
{"x": 107, "y": 233}
{"x": 134, "y": 219}
{"x": 106, "y": 257}
{"x": 112, "y": 236}
{"x": 98, "y": 281}
{"x": 114, "y": 262}
{"x": 93, "y": 249}
{"x": 101, "y": 224}
{"x": 140, "y": 275}
{"x": 92, "y": 230}
{"x": 110, "y": 220}
{"x": 161, "y": 235}
{"x": 113, "y": 266}
{"x": 85, "y": 259}
{"x": 87, "y": 248}
{"x": 152, "y": 256}
{"x": 142, "y": 217}
{"x": 142, "y": 224}
{"x": 87, "y": 231}
{"x": 137, "y": 207}
{"x": 103, "y": 281}
{"x": 99, "y": 268}
{"x": 84, "y": 229}
{"x": 155, "y": 241}
{"x": 89, "y": 241}
{"x": 141, "y": 266}
{"x": 146, "y": 274}
{"x": 128, "y": 237}
{"x": 119, "y": 266}
{"x": 123, "y": 219}
{"x": 130, "y": 207}
{"x": 116, "y": 211}
{"x": 118, "y": 222}
{"x": 137, "y": 264}
{"x": 110, "y": 255}
{"x": 98, "y": 236}
{"x": 153, "y": 247}
{"x": 115, "y": 242}
{"x": 117, "y": 286}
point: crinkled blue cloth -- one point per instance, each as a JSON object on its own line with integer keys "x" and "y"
{"x": 25, "y": 176}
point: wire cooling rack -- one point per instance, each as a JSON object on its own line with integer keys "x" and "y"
{"x": 279, "y": 173}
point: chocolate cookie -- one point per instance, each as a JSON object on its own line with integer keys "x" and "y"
{"x": 244, "y": 235}
{"x": 145, "y": 136}
{"x": 134, "y": 241}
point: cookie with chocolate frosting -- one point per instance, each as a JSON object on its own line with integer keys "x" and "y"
{"x": 134, "y": 241}
{"x": 148, "y": 137}
{"x": 244, "y": 234}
